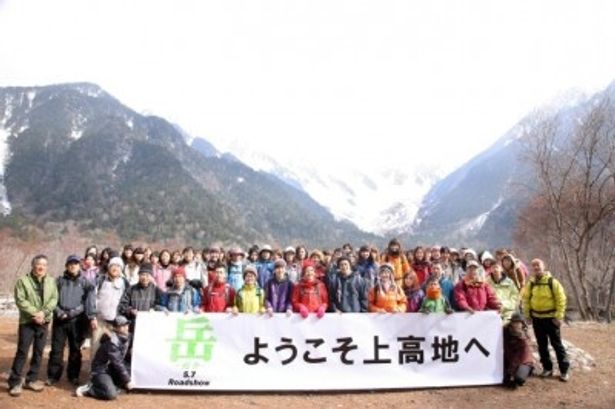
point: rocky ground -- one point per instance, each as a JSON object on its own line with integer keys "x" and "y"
{"x": 591, "y": 386}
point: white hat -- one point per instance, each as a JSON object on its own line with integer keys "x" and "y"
{"x": 266, "y": 247}
{"x": 116, "y": 261}
{"x": 486, "y": 256}
{"x": 469, "y": 251}
{"x": 472, "y": 263}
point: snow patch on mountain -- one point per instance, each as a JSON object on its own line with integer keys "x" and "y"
{"x": 377, "y": 200}
{"x": 31, "y": 95}
{"x": 77, "y": 124}
{"x": 478, "y": 222}
{"x": 5, "y": 205}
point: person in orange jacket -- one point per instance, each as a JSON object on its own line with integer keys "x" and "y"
{"x": 386, "y": 295}
{"x": 310, "y": 294}
{"x": 395, "y": 256}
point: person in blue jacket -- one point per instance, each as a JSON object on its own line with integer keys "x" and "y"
{"x": 366, "y": 266}
{"x": 181, "y": 297}
{"x": 264, "y": 265}
{"x": 446, "y": 285}
{"x": 347, "y": 289}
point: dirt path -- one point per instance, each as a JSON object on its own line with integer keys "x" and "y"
{"x": 593, "y": 389}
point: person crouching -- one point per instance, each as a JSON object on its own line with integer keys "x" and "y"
{"x": 109, "y": 369}
{"x": 518, "y": 357}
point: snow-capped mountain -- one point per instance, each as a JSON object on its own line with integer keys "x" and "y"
{"x": 381, "y": 201}
{"x": 478, "y": 204}
{"x": 73, "y": 153}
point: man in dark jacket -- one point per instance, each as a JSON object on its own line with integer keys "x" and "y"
{"x": 143, "y": 296}
{"x": 347, "y": 289}
{"x": 76, "y": 307}
{"x": 109, "y": 369}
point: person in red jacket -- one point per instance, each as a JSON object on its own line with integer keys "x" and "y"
{"x": 421, "y": 265}
{"x": 473, "y": 294}
{"x": 219, "y": 296}
{"x": 310, "y": 294}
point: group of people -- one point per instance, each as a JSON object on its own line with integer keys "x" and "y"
{"x": 99, "y": 295}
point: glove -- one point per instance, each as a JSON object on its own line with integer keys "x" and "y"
{"x": 303, "y": 311}
{"x": 321, "y": 311}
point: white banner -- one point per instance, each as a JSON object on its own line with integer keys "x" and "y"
{"x": 222, "y": 352}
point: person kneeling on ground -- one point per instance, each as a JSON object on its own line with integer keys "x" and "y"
{"x": 109, "y": 369}
{"x": 518, "y": 358}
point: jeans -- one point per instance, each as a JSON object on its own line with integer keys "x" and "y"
{"x": 103, "y": 387}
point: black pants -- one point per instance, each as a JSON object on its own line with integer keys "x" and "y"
{"x": 103, "y": 387}
{"x": 62, "y": 331}
{"x": 28, "y": 335}
{"x": 546, "y": 331}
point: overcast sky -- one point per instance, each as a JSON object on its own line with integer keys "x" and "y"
{"x": 392, "y": 82}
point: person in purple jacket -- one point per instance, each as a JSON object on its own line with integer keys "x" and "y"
{"x": 414, "y": 292}
{"x": 278, "y": 290}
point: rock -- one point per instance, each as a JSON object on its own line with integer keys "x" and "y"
{"x": 580, "y": 360}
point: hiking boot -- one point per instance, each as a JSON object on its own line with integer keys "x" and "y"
{"x": 83, "y": 390}
{"x": 16, "y": 390}
{"x": 34, "y": 386}
{"x": 75, "y": 382}
{"x": 564, "y": 377}
{"x": 546, "y": 374}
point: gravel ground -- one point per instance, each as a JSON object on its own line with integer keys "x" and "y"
{"x": 589, "y": 387}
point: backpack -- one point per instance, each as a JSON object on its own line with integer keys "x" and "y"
{"x": 259, "y": 292}
{"x": 227, "y": 295}
{"x": 532, "y": 284}
{"x": 102, "y": 279}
